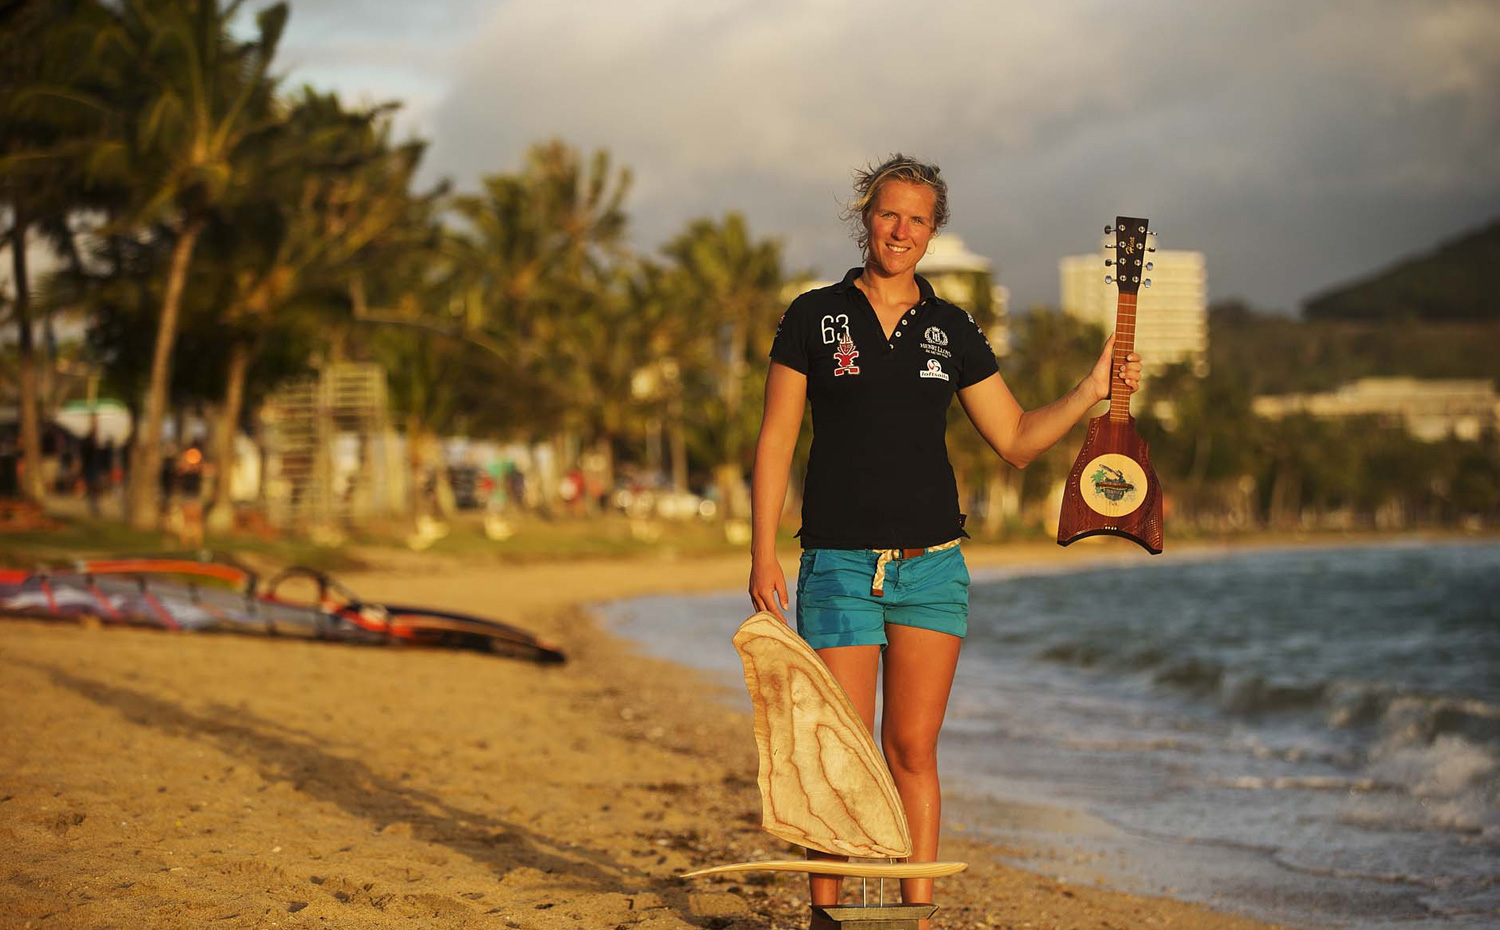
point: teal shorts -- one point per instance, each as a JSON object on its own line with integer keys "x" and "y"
{"x": 835, "y": 606}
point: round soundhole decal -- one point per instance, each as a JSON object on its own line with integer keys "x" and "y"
{"x": 1113, "y": 485}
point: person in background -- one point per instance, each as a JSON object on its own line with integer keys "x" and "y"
{"x": 90, "y": 458}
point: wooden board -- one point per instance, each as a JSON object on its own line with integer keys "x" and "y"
{"x": 823, "y": 782}
{"x": 840, "y": 868}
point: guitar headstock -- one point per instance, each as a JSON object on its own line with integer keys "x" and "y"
{"x": 1131, "y": 250}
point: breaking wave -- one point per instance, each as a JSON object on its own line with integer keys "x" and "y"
{"x": 1411, "y": 718}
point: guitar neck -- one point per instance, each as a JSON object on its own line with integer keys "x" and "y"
{"x": 1119, "y": 394}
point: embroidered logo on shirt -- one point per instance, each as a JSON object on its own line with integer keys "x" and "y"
{"x": 845, "y": 355}
{"x": 936, "y": 336}
{"x": 934, "y": 369}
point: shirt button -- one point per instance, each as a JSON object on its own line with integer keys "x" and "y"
{"x": 898, "y": 334}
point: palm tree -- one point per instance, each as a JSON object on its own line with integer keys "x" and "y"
{"x": 537, "y": 264}
{"x": 407, "y": 285}
{"x": 185, "y": 102}
{"x": 330, "y": 185}
{"x": 535, "y": 235}
{"x": 660, "y": 310}
{"x": 42, "y": 42}
{"x": 732, "y": 284}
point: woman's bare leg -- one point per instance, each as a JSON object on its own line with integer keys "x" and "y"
{"x": 855, "y": 668}
{"x": 919, "y": 667}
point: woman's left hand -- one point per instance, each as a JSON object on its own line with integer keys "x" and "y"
{"x": 1106, "y": 368}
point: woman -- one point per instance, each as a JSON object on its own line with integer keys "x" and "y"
{"x": 881, "y": 571}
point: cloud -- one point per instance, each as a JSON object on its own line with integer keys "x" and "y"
{"x": 1269, "y": 134}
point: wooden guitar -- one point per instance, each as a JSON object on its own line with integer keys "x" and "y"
{"x": 1112, "y": 488}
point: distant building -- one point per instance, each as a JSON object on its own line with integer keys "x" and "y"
{"x": 1171, "y": 314}
{"x": 967, "y": 279}
{"x": 1427, "y": 409}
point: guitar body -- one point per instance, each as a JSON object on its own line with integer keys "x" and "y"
{"x": 1112, "y": 489}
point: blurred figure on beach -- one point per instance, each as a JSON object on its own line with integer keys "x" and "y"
{"x": 882, "y": 579}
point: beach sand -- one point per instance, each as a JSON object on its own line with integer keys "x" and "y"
{"x": 160, "y": 780}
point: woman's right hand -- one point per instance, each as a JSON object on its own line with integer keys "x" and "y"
{"x": 768, "y": 587}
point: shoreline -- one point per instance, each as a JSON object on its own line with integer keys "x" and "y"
{"x": 180, "y": 781}
{"x": 1062, "y": 838}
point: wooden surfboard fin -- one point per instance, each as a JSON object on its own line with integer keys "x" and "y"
{"x": 823, "y": 782}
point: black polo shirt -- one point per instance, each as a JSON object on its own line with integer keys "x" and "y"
{"x": 879, "y": 476}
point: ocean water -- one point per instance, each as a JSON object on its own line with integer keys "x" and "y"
{"x": 1310, "y": 735}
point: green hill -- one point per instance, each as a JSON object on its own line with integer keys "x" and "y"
{"x": 1454, "y": 283}
{"x": 1271, "y": 354}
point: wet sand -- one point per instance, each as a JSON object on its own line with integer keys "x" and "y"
{"x": 159, "y": 780}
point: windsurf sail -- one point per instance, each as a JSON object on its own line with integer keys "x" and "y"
{"x": 223, "y": 596}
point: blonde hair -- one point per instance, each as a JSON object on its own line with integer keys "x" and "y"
{"x": 898, "y": 167}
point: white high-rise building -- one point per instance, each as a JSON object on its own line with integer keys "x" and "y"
{"x": 1171, "y": 314}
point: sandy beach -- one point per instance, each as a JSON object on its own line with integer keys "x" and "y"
{"x": 168, "y": 781}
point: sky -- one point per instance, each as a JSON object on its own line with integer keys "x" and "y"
{"x": 1298, "y": 144}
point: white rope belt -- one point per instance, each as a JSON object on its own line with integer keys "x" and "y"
{"x": 877, "y": 584}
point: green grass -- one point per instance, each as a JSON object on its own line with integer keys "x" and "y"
{"x": 83, "y": 538}
{"x": 605, "y": 536}
{"x": 535, "y": 539}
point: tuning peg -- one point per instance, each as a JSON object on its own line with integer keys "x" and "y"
{"x": 1140, "y": 229}
{"x": 1109, "y": 279}
{"x": 1150, "y": 249}
{"x": 1147, "y": 282}
{"x": 1108, "y": 262}
{"x": 1149, "y": 266}
{"x": 1109, "y": 230}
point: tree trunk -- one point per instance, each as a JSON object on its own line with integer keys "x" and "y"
{"x": 1001, "y": 500}
{"x": 32, "y": 486}
{"x": 418, "y": 503}
{"x": 146, "y": 461}
{"x": 604, "y": 448}
{"x": 677, "y": 435}
{"x": 1286, "y": 498}
{"x": 654, "y": 443}
{"x": 736, "y": 500}
{"x": 221, "y": 511}
{"x": 31, "y": 431}
{"x": 734, "y": 383}
{"x": 1199, "y": 468}
{"x": 734, "y": 495}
